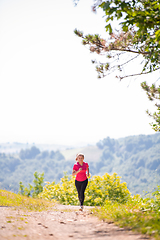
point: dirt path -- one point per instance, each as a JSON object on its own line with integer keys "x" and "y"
{"x": 62, "y": 222}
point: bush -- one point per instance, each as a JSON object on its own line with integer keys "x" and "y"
{"x": 33, "y": 190}
{"x": 139, "y": 214}
{"x": 99, "y": 190}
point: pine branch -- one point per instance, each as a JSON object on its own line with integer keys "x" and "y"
{"x": 138, "y": 74}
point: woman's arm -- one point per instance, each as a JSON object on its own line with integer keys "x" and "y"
{"x": 87, "y": 172}
{"x": 75, "y": 172}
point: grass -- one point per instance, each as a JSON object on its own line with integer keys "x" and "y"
{"x": 139, "y": 215}
{"x": 10, "y": 199}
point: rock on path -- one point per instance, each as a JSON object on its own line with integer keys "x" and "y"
{"x": 60, "y": 223}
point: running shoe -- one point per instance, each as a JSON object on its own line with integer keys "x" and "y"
{"x": 81, "y": 208}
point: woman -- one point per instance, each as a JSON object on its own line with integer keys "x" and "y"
{"x": 81, "y": 170}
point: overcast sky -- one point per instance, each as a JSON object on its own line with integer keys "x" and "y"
{"x": 49, "y": 91}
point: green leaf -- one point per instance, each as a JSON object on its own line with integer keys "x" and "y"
{"x": 108, "y": 28}
{"x": 106, "y": 6}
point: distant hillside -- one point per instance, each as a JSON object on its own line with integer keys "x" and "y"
{"x": 136, "y": 159}
{"x": 16, "y": 147}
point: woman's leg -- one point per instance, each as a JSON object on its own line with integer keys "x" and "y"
{"x": 78, "y": 186}
{"x": 82, "y": 190}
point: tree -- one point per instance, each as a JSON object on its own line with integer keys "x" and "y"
{"x": 33, "y": 190}
{"x": 24, "y": 190}
{"x": 138, "y": 37}
{"x": 153, "y": 93}
{"x": 38, "y": 184}
{"x": 29, "y": 153}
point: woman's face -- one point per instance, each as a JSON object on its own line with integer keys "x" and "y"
{"x": 80, "y": 159}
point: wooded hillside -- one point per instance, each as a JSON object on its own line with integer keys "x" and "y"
{"x": 136, "y": 159}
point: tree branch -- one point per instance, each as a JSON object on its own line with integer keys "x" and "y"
{"x": 137, "y": 74}
{"x": 130, "y": 60}
{"x": 129, "y": 50}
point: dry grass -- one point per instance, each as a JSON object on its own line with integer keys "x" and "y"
{"x": 26, "y": 203}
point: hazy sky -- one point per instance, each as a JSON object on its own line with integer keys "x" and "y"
{"x": 49, "y": 91}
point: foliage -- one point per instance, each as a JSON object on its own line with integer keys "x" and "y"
{"x": 139, "y": 32}
{"x": 50, "y": 155}
{"x": 153, "y": 93}
{"x": 24, "y": 190}
{"x": 14, "y": 169}
{"x": 133, "y": 159}
{"x": 33, "y": 190}
{"x": 99, "y": 190}
{"x": 34, "y": 152}
{"x": 140, "y": 214}
{"x": 140, "y": 19}
{"x": 138, "y": 37}
{"x": 38, "y": 184}
{"x": 63, "y": 192}
{"x": 29, "y": 153}
{"x": 16, "y": 200}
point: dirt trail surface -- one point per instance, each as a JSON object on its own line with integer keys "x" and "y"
{"x": 61, "y": 222}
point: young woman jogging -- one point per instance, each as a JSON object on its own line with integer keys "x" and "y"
{"x": 81, "y": 170}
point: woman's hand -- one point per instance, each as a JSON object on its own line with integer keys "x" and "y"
{"x": 87, "y": 174}
{"x": 75, "y": 172}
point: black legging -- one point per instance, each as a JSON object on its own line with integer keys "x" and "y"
{"x": 81, "y": 186}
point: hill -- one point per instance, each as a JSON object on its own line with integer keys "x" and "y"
{"x": 135, "y": 158}
{"x": 16, "y": 147}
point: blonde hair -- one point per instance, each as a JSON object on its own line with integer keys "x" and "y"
{"x": 80, "y": 154}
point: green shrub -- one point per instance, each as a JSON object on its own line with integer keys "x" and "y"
{"x": 140, "y": 214}
{"x": 99, "y": 190}
{"x": 33, "y": 190}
